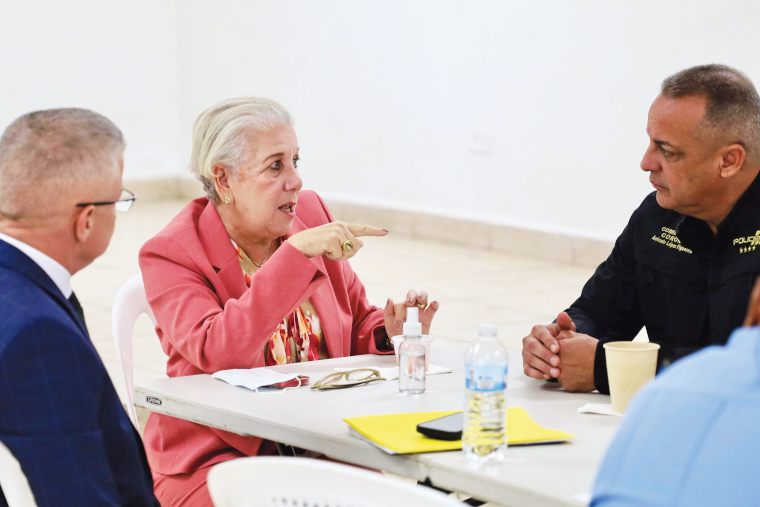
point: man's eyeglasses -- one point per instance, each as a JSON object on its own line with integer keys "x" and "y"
{"x": 123, "y": 204}
{"x": 357, "y": 377}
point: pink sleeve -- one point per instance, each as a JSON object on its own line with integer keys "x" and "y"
{"x": 190, "y": 314}
{"x": 368, "y": 335}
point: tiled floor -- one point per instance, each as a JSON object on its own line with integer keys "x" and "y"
{"x": 472, "y": 286}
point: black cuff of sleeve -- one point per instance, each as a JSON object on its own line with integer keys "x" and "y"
{"x": 382, "y": 341}
{"x": 601, "y": 382}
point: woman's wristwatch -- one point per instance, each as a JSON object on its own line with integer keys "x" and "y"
{"x": 385, "y": 343}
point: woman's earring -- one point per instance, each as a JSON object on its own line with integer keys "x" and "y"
{"x": 227, "y": 200}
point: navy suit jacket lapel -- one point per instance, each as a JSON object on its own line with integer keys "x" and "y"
{"x": 16, "y": 260}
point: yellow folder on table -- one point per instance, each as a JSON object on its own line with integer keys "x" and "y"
{"x": 397, "y": 433}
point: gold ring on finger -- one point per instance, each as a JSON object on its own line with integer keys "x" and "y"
{"x": 422, "y": 306}
{"x": 347, "y": 245}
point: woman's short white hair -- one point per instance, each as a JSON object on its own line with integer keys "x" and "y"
{"x": 224, "y": 133}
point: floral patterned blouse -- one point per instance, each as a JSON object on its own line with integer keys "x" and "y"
{"x": 299, "y": 336}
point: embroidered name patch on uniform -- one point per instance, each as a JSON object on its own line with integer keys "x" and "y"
{"x": 669, "y": 239}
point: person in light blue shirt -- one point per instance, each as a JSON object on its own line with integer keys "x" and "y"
{"x": 691, "y": 437}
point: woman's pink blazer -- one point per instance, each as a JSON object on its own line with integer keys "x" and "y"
{"x": 208, "y": 320}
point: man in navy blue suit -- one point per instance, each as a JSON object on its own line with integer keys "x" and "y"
{"x": 60, "y": 183}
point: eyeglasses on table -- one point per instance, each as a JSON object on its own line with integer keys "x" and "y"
{"x": 357, "y": 377}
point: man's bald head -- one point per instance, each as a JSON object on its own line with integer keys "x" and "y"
{"x": 48, "y": 159}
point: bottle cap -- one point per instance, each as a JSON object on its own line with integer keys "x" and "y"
{"x": 412, "y": 326}
{"x": 487, "y": 330}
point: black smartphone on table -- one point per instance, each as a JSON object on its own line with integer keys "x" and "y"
{"x": 444, "y": 428}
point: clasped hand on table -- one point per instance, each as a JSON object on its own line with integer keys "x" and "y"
{"x": 558, "y": 351}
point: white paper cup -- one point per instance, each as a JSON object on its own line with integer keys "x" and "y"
{"x": 630, "y": 365}
{"x": 396, "y": 341}
{"x": 427, "y": 341}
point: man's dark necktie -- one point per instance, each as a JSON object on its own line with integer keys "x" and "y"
{"x": 77, "y": 308}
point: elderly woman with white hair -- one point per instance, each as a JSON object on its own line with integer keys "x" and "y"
{"x": 252, "y": 275}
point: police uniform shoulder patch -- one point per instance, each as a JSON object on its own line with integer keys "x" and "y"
{"x": 747, "y": 244}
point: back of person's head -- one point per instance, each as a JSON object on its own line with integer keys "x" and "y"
{"x": 49, "y": 159}
{"x": 224, "y": 133}
{"x": 732, "y": 114}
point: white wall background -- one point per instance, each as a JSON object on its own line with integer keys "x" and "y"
{"x": 520, "y": 113}
{"x": 117, "y": 58}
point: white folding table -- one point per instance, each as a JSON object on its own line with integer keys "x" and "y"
{"x": 538, "y": 475}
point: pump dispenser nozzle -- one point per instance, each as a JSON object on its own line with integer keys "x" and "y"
{"x": 412, "y": 326}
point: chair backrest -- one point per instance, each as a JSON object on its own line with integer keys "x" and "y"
{"x": 279, "y": 482}
{"x": 130, "y": 303}
{"x": 13, "y": 481}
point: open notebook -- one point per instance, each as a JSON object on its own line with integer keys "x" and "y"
{"x": 397, "y": 433}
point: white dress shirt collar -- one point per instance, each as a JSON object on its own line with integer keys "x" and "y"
{"x": 60, "y": 275}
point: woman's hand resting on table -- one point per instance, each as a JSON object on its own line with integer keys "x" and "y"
{"x": 337, "y": 241}
{"x": 395, "y": 314}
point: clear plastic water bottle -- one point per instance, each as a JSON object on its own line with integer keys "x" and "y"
{"x": 484, "y": 436}
{"x": 411, "y": 353}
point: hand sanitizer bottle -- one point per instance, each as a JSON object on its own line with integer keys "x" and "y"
{"x": 411, "y": 365}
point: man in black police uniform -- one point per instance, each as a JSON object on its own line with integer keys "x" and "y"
{"x": 686, "y": 262}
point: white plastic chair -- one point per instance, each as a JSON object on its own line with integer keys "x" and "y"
{"x": 13, "y": 481}
{"x": 280, "y": 482}
{"x": 129, "y": 304}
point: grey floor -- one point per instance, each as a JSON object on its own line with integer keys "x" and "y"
{"x": 472, "y": 286}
